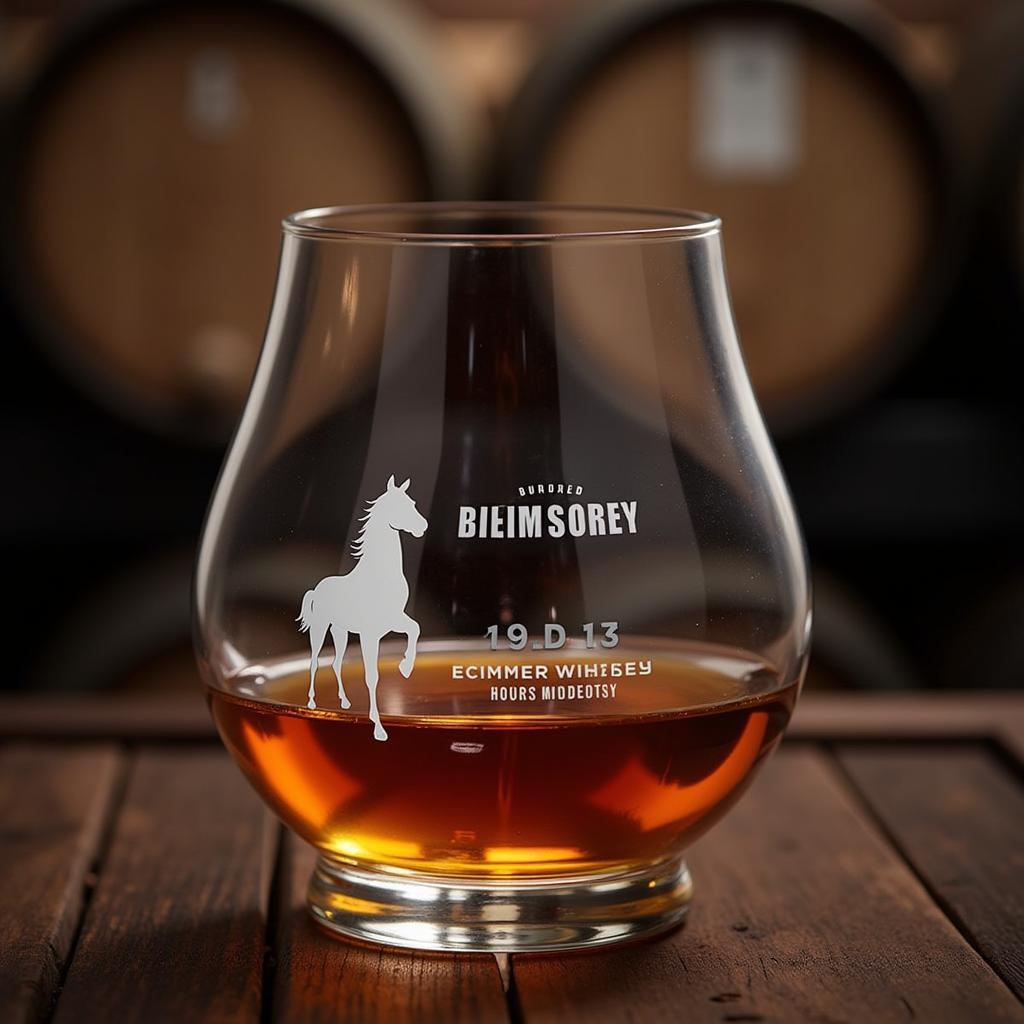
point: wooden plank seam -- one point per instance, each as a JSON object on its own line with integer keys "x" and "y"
{"x": 92, "y": 877}
{"x": 878, "y": 821}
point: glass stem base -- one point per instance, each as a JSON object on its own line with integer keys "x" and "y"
{"x": 497, "y": 915}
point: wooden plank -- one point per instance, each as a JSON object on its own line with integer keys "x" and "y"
{"x": 320, "y": 978}
{"x": 1010, "y": 734}
{"x": 54, "y": 805}
{"x": 802, "y": 912}
{"x": 176, "y": 928}
{"x": 906, "y": 715}
{"x": 124, "y": 716}
{"x": 958, "y": 817}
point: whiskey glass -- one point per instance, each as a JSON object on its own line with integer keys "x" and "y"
{"x": 501, "y": 600}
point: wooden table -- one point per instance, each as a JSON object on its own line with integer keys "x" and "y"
{"x": 875, "y": 872}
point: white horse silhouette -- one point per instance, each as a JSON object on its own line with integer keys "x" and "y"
{"x": 370, "y": 600}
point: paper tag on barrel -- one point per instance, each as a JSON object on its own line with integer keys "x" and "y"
{"x": 747, "y": 100}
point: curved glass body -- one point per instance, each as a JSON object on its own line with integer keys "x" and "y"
{"x": 501, "y": 599}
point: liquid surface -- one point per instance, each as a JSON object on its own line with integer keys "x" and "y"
{"x": 474, "y": 781}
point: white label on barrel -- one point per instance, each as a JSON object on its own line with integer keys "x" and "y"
{"x": 747, "y": 96}
{"x": 214, "y": 104}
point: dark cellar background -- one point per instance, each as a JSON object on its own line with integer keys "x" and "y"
{"x": 910, "y": 492}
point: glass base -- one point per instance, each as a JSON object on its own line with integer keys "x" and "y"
{"x": 494, "y": 915}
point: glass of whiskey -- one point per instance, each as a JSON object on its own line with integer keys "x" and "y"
{"x": 501, "y": 600}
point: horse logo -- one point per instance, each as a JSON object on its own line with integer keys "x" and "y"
{"x": 370, "y": 600}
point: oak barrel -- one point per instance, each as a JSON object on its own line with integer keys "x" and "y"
{"x": 801, "y": 128}
{"x": 156, "y": 152}
{"x": 132, "y": 628}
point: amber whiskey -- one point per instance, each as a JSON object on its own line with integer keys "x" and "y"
{"x": 498, "y": 775}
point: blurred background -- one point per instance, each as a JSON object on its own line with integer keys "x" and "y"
{"x": 867, "y": 158}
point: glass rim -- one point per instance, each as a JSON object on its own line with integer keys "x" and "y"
{"x": 341, "y": 223}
